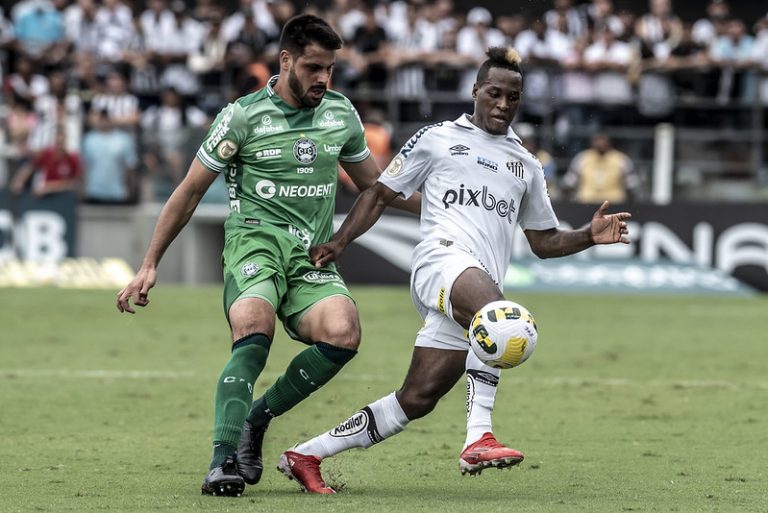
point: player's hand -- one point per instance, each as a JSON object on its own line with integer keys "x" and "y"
{"x": 325, "y": 253}
{"x": 609, "y": 228}
{"x": 137, "y": 291}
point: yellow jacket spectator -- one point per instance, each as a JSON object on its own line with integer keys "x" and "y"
{"x": 601, "y": 173}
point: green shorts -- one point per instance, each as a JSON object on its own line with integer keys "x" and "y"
{"x": 267, "y": 262}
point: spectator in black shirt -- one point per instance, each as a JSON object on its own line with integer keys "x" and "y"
{"x": 370, "y": 40}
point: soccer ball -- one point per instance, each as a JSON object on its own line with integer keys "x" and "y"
{"x": 503, "y": 334}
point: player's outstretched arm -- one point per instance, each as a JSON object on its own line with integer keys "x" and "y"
{"x": 609, "y": 228}
{"x": 603, "y": 229}
{"x": 175, "y": 214}
{"x": 366, "y": 173}
{"x": 365, "y": 212}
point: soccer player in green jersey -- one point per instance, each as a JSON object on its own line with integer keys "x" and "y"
{"x": 278, "y": 149}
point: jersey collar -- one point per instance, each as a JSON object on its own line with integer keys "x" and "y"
{"x": 464, "y": 122}
{"x": 271, "y": 84}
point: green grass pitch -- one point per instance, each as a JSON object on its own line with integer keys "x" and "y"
{"x": 630, "y": 403}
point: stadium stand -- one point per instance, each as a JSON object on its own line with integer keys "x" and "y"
{"x": 591, "y": 65}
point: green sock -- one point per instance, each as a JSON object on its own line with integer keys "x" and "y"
{"x": 234, "y": 393}
{"x": 308, "y": 371}
{"x": 220, "y": 453}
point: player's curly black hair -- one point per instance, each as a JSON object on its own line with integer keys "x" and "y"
{"x": 499, "y": 57}
{"x": 305, "y": 29}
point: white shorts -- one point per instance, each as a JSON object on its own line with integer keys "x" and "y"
{"x": 435, "y": 270}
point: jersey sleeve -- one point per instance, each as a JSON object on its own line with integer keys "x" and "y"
{"x": 409, "y": 169}
{"x": 355, "y": 149}
{"x": 226, "y": 136}
{"x": 536, "y": 211}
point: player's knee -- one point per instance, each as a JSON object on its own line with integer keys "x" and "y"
{"x": 248, "y": 328}
{"x": 344, "y": 334}
{"x": 416, "y": 404}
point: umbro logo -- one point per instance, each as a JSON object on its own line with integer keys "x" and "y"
{"x": 459, "y": 149}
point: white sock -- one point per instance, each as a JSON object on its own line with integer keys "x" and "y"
{"x": 481, "y": 394}
{"x": 371, "y": 425}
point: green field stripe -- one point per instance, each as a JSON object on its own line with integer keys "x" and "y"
{"x": 552, "y": 381}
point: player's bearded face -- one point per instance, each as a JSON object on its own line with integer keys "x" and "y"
{"x": 309, "y": 75}
{"x": 497, "y": 99}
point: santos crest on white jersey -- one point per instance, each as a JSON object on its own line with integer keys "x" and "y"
{"x": 476, "y": 187}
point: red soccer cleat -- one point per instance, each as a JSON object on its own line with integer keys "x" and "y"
{"x": 487, "y": 452}
{"x": 305, "y": 470}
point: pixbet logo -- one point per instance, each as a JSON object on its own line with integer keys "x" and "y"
{"x": 479, "y": 198}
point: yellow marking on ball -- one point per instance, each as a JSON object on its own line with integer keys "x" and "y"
{"x": 513, "y": 353}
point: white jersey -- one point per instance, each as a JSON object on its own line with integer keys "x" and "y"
{"x": 475, "y": 188}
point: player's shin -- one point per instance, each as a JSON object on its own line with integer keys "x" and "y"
{"x": 374, "y": 423}
{"x": 482, "y": 382}
{"x": 234, "y": 393}
{"x": 307, "y": 372}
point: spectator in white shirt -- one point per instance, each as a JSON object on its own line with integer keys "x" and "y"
{"x": 406, "y": 60}
{"x": 707, "y": 30}
{"x": 81, "y": 26}
{"x": 120, "y": 106}
{"x": 60, "y": 110}
{"x": 544, "y": 45}
{"x": 511, "y": 27}
{"x": 733, "y": 52}
{"x": 474, "y": 39}
{"x": 600, "y": 16}
{"x": 576, "y": 93}
{"x": 208, "y": 61}
{"x": 115, "y": 25}
{"x": 660, "y": 30}
{"x": 25, "y": 82}
{"x": 543, "y": 48}
{"x": 172, "y": 48}
{"x": 760, "y": 57}
{"x": 610, "y": 60}
{"x": 444, "y": 17}
{"x": 165, "y": 131}
{"x": 262, "y": 15}
{"x": 157, "y": 22}
{"x": 575, "y": 22}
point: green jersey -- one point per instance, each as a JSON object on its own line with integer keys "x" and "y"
{"x": 281, "y": 163}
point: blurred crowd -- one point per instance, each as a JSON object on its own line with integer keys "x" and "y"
{"x": 112, "y": 99}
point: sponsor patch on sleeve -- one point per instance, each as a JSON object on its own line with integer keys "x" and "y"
{"x": 395, "y": 167}
{"x": 226, "y": 149}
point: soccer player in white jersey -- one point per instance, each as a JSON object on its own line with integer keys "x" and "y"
{"x": 477, "y": 183}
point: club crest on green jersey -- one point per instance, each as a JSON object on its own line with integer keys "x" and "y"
{"x": 249, "y": 269}
{"x": 305, "y": 150}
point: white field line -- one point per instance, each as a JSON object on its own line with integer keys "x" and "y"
{"x": 554, "y": 381}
